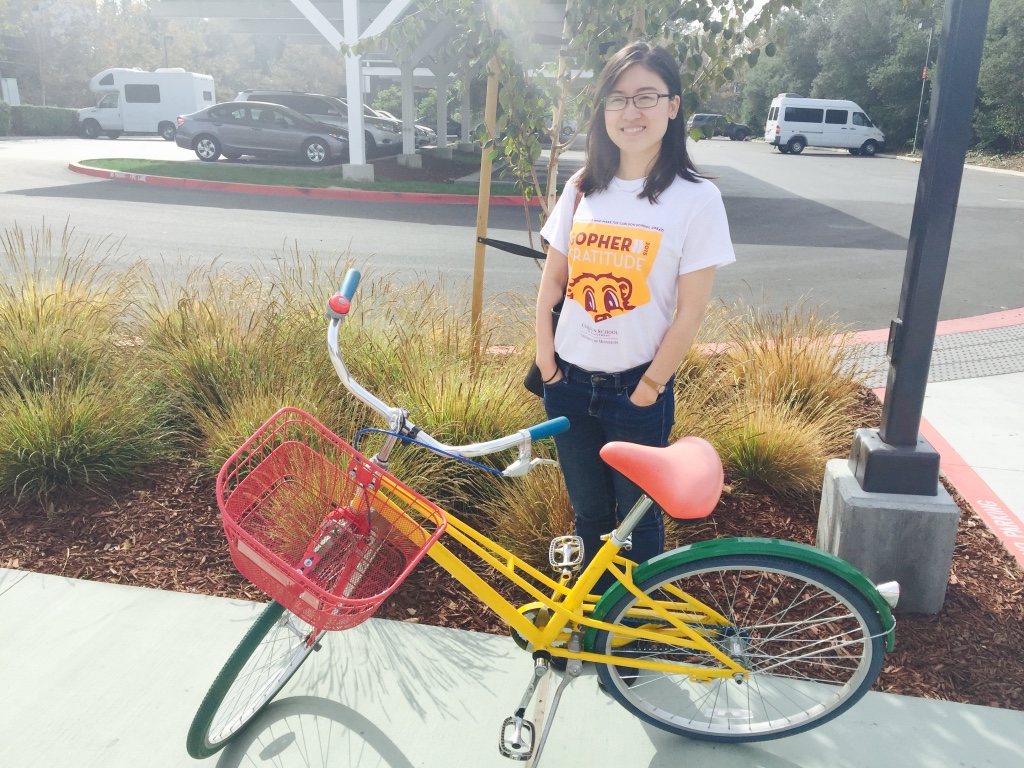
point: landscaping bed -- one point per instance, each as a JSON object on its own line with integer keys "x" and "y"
{"x": 1010, "y": 161}
{"x": 121, "y": 396}
{"x": 165, "y": 533}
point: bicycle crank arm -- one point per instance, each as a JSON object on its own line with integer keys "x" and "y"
{"x": 520, "y": 745}
{"x": 572, "y": 671}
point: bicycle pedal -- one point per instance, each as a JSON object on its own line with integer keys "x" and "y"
{"x": 517, "y": 745}
{"x": 566, "y": 552}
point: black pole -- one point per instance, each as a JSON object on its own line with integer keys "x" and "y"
{"x": 896, "y": 459}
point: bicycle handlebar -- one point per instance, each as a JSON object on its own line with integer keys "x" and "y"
{"x": 337, "y": 310}
{"x": 548, "y": 428}
{"x": 350, "y": 283}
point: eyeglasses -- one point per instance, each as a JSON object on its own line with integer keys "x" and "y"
{"x": 640, "y": 101}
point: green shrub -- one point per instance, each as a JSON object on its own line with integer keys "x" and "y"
{"x": 390, "y": 100}
{"x": 5, "y": 118}
{"x": 231, "y": 350}
{"x": 772, "y": 395}
{"x": 60, "y": 311}
{"x": 43, "y": 121}
{"x": 57, "y": 314}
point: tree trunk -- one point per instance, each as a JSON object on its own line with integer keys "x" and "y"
{"x": 562, "y": 78}
{"x": 639, "y": 26}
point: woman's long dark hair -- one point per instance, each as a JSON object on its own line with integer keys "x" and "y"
{"x": 602, "y": 154}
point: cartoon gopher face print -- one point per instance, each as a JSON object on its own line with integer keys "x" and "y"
{"x": 603, "y": 296}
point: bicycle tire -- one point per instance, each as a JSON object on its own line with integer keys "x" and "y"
{"x": 806, "y": 610}
{"x": 266, "y": 658}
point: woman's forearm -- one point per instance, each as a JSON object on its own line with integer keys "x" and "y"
{"x": 551, "y": 291}
{"x": 694, "y": 292}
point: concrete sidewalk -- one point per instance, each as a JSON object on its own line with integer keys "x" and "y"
{"x": 108, "y": 676}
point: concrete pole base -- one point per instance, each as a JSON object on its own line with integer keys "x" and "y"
{"x": 411, "y": 161}
{"x": 357, "y": 172}
{"x": 890, "y": 536}
{"x": 467, "y": 146}
{"x": 443, "y": 152}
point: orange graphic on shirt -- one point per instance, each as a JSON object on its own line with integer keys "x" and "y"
{"x": 603, "y": 296}
{"x": 609, "y": 266}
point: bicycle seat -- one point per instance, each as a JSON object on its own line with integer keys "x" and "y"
{"x": 684, "y": 478}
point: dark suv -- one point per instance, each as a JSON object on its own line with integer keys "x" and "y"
{"x": 718, "y": 125}
{"x": 378, "y": 131}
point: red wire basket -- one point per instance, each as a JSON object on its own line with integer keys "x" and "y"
{"x": 317, "y": 526}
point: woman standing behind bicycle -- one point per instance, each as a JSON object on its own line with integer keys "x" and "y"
{"x": 635, "y": 256}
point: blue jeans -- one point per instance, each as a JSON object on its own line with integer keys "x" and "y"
{"x": 600, "y": 411}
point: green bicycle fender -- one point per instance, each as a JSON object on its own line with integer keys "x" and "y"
{"x": 748, "y": 546}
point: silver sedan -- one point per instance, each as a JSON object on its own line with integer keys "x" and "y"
{"x": 236, "y": 128}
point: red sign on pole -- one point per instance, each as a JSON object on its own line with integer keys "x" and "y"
{"x": 924, "y": 73}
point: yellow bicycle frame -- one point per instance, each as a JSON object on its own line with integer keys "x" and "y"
{"x": 569, "y": 608}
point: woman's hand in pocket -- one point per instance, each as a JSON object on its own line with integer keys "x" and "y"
{"x": 643, "y": 395}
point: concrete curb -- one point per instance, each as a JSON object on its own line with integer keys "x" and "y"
{"x": 307, "y": 192}
{"x": 972, "y": 166}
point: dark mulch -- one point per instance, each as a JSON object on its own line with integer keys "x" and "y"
{"x": 165, "y": 533}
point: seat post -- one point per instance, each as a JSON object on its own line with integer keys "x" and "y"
{"x": 621, "y": 534}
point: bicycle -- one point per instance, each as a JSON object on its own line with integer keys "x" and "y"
{"x": 729, "y": 640}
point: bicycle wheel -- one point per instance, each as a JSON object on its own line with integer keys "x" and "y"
{"x": 812, "y": 643}
{"x": 273, "y": 648}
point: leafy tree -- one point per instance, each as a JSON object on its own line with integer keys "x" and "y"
{"x": 868, "y": 51}
{"x": 62, "y": 43}
{"x": 791, "y": 70}
{"x": 390, "y": 100}
{"x": 426, "y": 110}
{"x": 999, "y": 117}
{"x": 51, "y": 40}
{"x": 874, "y": 55}
{"x": 713, "y": 39}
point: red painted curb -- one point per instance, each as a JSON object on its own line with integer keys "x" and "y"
{"x": 987, "y": 322}
{"x": 307, "y": 192}
{"x": 983, "y": 500}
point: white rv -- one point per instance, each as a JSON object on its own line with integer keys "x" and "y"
{"x": 795, "y": 122}
{"x": 136, "y": 101}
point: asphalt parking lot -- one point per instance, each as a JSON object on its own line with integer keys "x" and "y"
{"x": 823, "y": 228}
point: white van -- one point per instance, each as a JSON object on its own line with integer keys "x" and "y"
{"x": 795, "y": 122}
{"x": 136, "y": 101}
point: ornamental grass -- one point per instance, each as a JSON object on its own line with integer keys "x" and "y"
{"x": 77, "y": 410}
{"x": 103, "y": 373}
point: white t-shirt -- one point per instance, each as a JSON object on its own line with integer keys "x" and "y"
{"x": 625, "y": 257}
